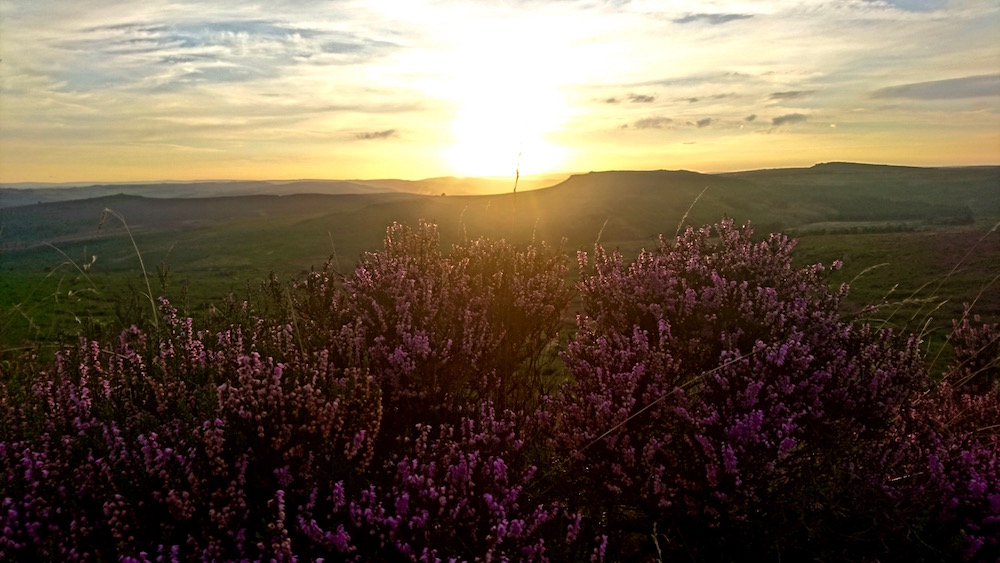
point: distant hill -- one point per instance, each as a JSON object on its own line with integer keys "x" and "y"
{"x": 466, "y": 186}
{"x": 868, "y": 192}
{"x": 18, "y": 195}
{"x": 921, "y": 229}
{"x": 626, "y": 209}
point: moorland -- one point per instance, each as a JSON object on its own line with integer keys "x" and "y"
{"x": 913, "y": 240}
{"x": 386, "y": 375}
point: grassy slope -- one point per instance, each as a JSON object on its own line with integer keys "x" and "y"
{"x": 213, "y": 246}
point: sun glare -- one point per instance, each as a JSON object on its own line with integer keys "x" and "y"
{"x": 500, "y": 135}
{"x": 506, "y": 86}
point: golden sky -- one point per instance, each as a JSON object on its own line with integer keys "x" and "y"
{"x": 94, "y": 90}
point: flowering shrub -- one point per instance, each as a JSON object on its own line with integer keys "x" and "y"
{"x": 189, "y": 445}
{"x": 718, "y": 396}
{"x": 443, "y": 332}
{"x": 717, "y": 406}
{"x": 945, "y": 472}
{"x": 977, "y": 354}
{"x": 459, "y": 490}
{"x": 458, "y": 344}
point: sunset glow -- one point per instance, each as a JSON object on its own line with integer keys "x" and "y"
{"x": 507, "y": 100}
{"x": 100, "y": 91}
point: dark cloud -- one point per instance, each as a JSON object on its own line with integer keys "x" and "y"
{"x": 788, "y": 119}
{"x": 750, "y": 117}
{"x": 790, "y": 95}
{"x": 611, "y": 101}
{"x": 369, "y": 135}
{"x": 986, "y": 85}
{"x": 652, "y": 122}
{"x": 704, "y": 122}
{"x": 713, "y": 19}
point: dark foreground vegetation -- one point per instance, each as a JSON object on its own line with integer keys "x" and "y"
{"x": 713, "y": 403}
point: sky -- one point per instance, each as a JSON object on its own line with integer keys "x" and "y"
{"x": 95, "y": 90}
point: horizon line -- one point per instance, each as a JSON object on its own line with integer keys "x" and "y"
{"x": 29, "y": 184}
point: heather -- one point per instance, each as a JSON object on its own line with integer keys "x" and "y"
{"x": 712, "y": 403}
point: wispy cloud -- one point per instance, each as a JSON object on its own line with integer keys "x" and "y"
{"x": 632, "y": 98}
{"x": 93, "y": 84}
{"x": 652, "y": 123}
{"x": 918, "y": 5}
{"x": 370, "y": 135}
{"x": 696, "y": 99}
{"x": 207, "y": 52}
{"x": 790, "y": 95}
{"x": 713, "y": 19}
{"x": 788, "y": 119}
{"x": 987, "y": 85}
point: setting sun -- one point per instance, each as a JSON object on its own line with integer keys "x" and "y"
{"x": 505, "y": 83}
{"x": 424, "y": 89}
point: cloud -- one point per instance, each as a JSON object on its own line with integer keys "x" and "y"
{"x": 788, "y": 119}
{"x": 89, "y": 81}
{"x": 789, "y": 95}
{"x": 696, "y": 99}
{"x": 704, "y": 122}
{"x": 918, "y": 5}
{"x": 986, "y": 85}
{"x": 181, "y": 53}
{"x": 641, "y": 99}
{"x": 652, "y": 122}
{"x": 713, "y": 19}
{"x": 369, "y": 135}
{"x": 632, "y": 98}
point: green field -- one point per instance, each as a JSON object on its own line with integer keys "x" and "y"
{"x": 916, "y": 243}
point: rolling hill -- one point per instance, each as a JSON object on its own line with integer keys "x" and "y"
{"x": 19, "y": 195}
{"x": 921, "y": 221}
{"x": 627, "y": 208}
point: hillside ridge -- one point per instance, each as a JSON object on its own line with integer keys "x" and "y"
{"x": 19, "y": 195}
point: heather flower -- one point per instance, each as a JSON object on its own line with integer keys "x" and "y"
{"x": 459, "y": 492}
{"x": 714, "y": 386}
{"x": 945, "y": 471}
{"x": 446, "y": 331}
{"x": 976, "y": 366}
{"x": 717, "y": 406}
{"x": 173, "y": 445}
